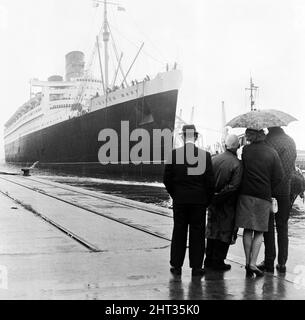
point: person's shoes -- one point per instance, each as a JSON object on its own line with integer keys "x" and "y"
{"x": 221, "y": 267}
{"x": 256, "y": 271}
{"x": 281, "y": 268}
{"x": 175, "y": 271}
{"x": 197, "y": 272}
{"x": 265, "y": 268}
{"x": 249, "y": 272}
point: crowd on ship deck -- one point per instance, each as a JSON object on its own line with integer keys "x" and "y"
{"x": 136, "y": 82}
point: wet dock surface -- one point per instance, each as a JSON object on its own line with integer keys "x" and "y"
{"x": 63, "y": 242}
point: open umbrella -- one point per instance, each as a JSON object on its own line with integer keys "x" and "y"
{"x": 260, "y": 119}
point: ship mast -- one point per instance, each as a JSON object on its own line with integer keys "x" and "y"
{"x": 252, "y": 89}
{"x": 106, "y": 35}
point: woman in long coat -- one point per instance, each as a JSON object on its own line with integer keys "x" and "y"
{"x": 262, "y": 173}
{"x": 221, "y": 214}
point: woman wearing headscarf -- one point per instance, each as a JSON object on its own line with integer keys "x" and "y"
{"x": 262, "y": 173}
{"x": 221, "y": 213}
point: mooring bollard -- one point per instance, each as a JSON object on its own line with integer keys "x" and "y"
{"x": 26, "y": 172}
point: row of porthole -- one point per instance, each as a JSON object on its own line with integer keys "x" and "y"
{"x": 31, "y": 120}
{"x": 90, "y": 88}
{"x": 37, "y": 127}
{"x": 30, "y": 129}
{"x": 50, "y": 122}
{"x": 24, "y": 117}
{"x": 88, "y": 80}
{"x": 60, "y": 98}
{"x": 58, "y": 106}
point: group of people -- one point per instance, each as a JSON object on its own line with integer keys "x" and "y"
{"x": 234, "y": 194}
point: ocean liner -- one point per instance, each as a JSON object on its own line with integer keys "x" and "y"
{"x": 60, "y": 124}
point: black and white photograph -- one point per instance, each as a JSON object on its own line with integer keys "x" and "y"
{"x": 152, "y": 151}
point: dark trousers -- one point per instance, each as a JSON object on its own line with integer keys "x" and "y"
{"x": 192, "y": 217}
{"x": 216, "y": 251}
{"x": 281, "y": 221}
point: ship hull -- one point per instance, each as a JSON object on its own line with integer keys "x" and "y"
{"x": 72, "y": 146}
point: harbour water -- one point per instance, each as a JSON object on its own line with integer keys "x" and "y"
{"x": 151, "y": 191}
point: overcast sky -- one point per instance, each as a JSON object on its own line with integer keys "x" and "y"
{"x": 217, "y": 44}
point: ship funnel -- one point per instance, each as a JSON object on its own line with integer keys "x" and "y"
{"x": 55, "y": 78}
{"x": 75, "y": 64}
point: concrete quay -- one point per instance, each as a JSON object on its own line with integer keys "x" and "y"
{"x": 63, "y": 242}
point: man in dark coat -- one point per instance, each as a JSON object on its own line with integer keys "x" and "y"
{"x": 221, "y": 213}
{"x": 189, "y": 179}
{"x": 286, "y": 149}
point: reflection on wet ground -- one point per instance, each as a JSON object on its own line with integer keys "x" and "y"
{"x": 231, "y": 285}
{"x": 297, "y": 223}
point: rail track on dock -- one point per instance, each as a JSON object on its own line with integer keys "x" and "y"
{"x": 138, "y": 205}
{"x": 71, "y": 196}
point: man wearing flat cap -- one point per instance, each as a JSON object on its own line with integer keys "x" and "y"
{"x": 189, "y": 179}
{"x": 221, "y": 213}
